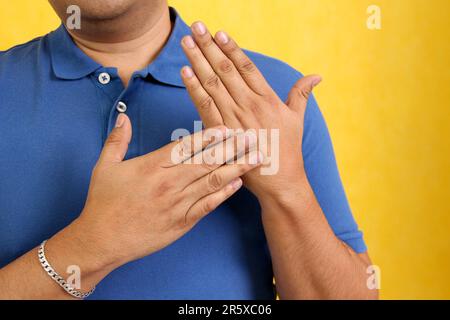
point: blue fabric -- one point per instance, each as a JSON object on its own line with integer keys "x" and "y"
{"x": 54, "y": 118}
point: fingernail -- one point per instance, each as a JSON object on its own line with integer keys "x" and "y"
{"x": 199, "y": 28}
{"x": 120, "y": 120}
{"x": 189, "y": 42}
{"x": 222, "y": 37}
{"x": 187, "y": 72}
{"x": 316, "y": 81}
{"x": 236, "y": 183}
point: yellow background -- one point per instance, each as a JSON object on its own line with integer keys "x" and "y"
{"x": 385, "y": 96}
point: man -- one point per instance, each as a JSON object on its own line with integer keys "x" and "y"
{"x": 69, "y": 103}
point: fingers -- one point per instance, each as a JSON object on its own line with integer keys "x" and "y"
{"x": 300, "y": 92}
{"x": 219, "y": 62}
{"x": 116, "y": 145}
{"x": 247, "y": 69}
{"x": 210, "y": 202}
{"x": 179, "y": 151}
{"x": 196, "y": 155}
{"x": 206, "y": 107}
{"x": 218, "y": 186}
{"x": 214, "y": 156}
{"x": 221, "y": 177}
{"x": 208, "y": 78}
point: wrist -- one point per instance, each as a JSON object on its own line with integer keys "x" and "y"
{"x": 291, "y": 199}
{"x": 76, "y": 246}
{"x": 292, "y": 194}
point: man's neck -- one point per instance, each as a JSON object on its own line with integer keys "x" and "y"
{"x": 133, "y": 53}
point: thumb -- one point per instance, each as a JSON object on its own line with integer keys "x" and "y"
{"x": 116, "y": 145}
{"x": 300, "y": 92}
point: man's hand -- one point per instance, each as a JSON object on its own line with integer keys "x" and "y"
{"x": 227, "y": 88}
{"x": 137, "y": 207}
{"x": 309, "y": 261}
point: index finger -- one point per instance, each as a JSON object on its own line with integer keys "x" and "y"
{"x": 245, "y": 66}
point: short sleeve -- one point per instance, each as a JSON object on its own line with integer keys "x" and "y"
{"x": 323, "y": 175}
{"x": 318, "y": 154}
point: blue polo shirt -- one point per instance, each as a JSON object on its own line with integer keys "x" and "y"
{"x": 57, "y": 107}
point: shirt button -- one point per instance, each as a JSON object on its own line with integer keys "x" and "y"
{"x": 104, "y": 78}
{"x": 121, "y": 107}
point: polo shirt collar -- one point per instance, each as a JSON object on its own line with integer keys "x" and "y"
{"x": 70, "y": 62}
{"x": 167, "y": 65}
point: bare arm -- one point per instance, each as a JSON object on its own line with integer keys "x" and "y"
{"x": 25, "y": 278}
{"x": 309, "y": 261}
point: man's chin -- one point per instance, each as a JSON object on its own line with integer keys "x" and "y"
{"x": 95, "y": 9}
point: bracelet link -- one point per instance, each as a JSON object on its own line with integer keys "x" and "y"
{"x": 57, "y": 278}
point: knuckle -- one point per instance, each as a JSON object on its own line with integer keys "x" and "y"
{"x": 164, "y": 188}
{"x": 193, "y": 85}
{"x": 247, "y": 66}
{"x": 207, "y": 165}
{"x": 208, "y": 206}
{"x": 226, "y": 66}
{"x": 114, "y": 138}
{"x": 303, "y": 93}
{"x": 253, "y": 106}
{"x": 206, "y": 103}
{"x": 212, "y": 81}
{"x": 214, "y": 181}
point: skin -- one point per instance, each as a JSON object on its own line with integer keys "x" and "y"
{"x": 116, "y": 227}
{"x": 126, "y": 34}
{"x": 309, "y": 261}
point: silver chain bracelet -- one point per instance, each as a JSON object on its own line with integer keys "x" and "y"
{"x": 57, "y": 278}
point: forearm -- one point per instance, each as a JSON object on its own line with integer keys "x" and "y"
{"x": 309, "y": 261}
{"x": 25, "y": 278}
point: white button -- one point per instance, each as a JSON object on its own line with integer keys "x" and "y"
{"x": 121, "y": 107}
{"x": 104, "y": 78}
